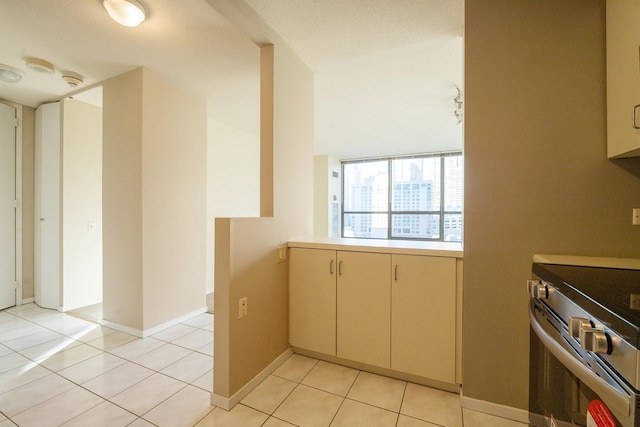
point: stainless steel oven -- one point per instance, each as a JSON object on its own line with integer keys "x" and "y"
{"x": 585, "y": 338}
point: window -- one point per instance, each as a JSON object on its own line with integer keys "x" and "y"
{"x": 417, "y": 197}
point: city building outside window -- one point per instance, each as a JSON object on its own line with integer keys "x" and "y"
{"x": 417, "y": 197}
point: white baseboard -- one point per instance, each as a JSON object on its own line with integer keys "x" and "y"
{"x": 75, "y": 307}
{"x": 490, "y": 408}
{"x": 147, "y": 332}
{"x": 28, "y": 300}
{"x": 122, "y": 328}
{"x": 227, "y": 403}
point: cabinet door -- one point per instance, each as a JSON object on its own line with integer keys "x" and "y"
{"x": 423, "y": 316}
{"x": 312, "y": 299}
{"x": 623, "y": 78}
{"x": 363, "y": 306}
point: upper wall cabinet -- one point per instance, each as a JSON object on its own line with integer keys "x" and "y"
{"x": 623, "y": 78}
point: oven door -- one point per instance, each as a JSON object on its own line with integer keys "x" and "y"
{"x": 564, "y": 378}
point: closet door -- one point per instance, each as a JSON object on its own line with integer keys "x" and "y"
{"x": 47, "y": 206}
{"x": 7, "y": 206}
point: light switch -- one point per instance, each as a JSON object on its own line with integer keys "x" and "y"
{"x": 282, "y": 253}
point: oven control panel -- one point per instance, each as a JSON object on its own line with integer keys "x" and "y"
{"x": 587, "y": 334}
{"x": 591, "y": 338}
{"x": 538, "y": 289}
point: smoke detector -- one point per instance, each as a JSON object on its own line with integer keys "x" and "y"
{"x": 72, "y": 79}
{"x": 39, "y": 65}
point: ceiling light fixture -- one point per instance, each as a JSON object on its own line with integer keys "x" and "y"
{"x": 129, "y": 13}
{"x": 39, "y": 65}
{"x": 458, "y": 101}
{"x": 9, "y": 74}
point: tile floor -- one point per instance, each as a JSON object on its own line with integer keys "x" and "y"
{"x": 59, "y": 370}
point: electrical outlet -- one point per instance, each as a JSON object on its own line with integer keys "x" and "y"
{"x": 242, "y": 307}
{"x": 636, "y": 216}
{"x": 634, "y": 304}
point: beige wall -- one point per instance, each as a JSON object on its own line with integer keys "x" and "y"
{"x": 320, "y": 195}
{"x": 233, "y": 179}
{"x": 122, "y": 199}
{"x": 174, "y": 160}
{"x": 246, "y": 260}
{"x": 154, "y": 194}
{"x": 28, "y": 163}
{"x": 81, "y": 204}
{"x": 537, "y": 179}
{"x": 325, "y": 189}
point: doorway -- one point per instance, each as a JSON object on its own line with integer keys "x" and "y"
{"x": 8, "y": 205}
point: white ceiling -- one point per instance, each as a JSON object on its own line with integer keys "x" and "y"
{"x": 185, "y": 41}
{"x": 386, "y": 70}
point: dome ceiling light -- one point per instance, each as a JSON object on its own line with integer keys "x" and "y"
{"x": 39, "y": 65}
{"x": 129, "y": 13}
{"x": 10, "y": 74}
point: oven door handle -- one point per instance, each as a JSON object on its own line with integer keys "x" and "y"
{"x": 615, "y": 400}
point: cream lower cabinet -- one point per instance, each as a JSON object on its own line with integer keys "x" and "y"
{"x": 339, "y": 304}
{"x": 364, "y": 307}
{"x": 395, "y": 311}
{"x": 423, "y": 316}
{"x": 312, "y": 299}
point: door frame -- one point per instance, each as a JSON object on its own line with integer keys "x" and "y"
{"x": 19, "y": 130}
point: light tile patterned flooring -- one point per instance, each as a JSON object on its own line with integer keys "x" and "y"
{"x": 59, "y": 370}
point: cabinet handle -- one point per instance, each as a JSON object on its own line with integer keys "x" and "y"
{"x": 395, "y": 273}
{"x": 331, "y": 267}
{"x": 340, "y": 268}
{"x": 635, "y": 115}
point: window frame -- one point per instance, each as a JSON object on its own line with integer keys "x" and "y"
{"x": 441, "y": 213}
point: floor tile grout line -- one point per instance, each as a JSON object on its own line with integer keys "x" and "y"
{"x": 94, "y": 393}
{"x": 50, "y": 397}
{"x": 104, "y": 399}
{"x": 345, "y": 397}
{"x": 99, "y": 325}
{"x": 398, "y": 412}
{"x": 158, "y": 404}
{"x": 206, "y": 415}
{"x": 102, "y": 351}
{"x": 53, "y": 330}
{"x": 372, "y": 405}
{"x": 280, "y": 404}
{"x": 120, "y": 357}
{"x": 36, "y": 324}
{"x": 353, "y": 383}
{"x": 338, "y": 410}
{"x": 279, "y": 419}
{"x": 404, "y": 394}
